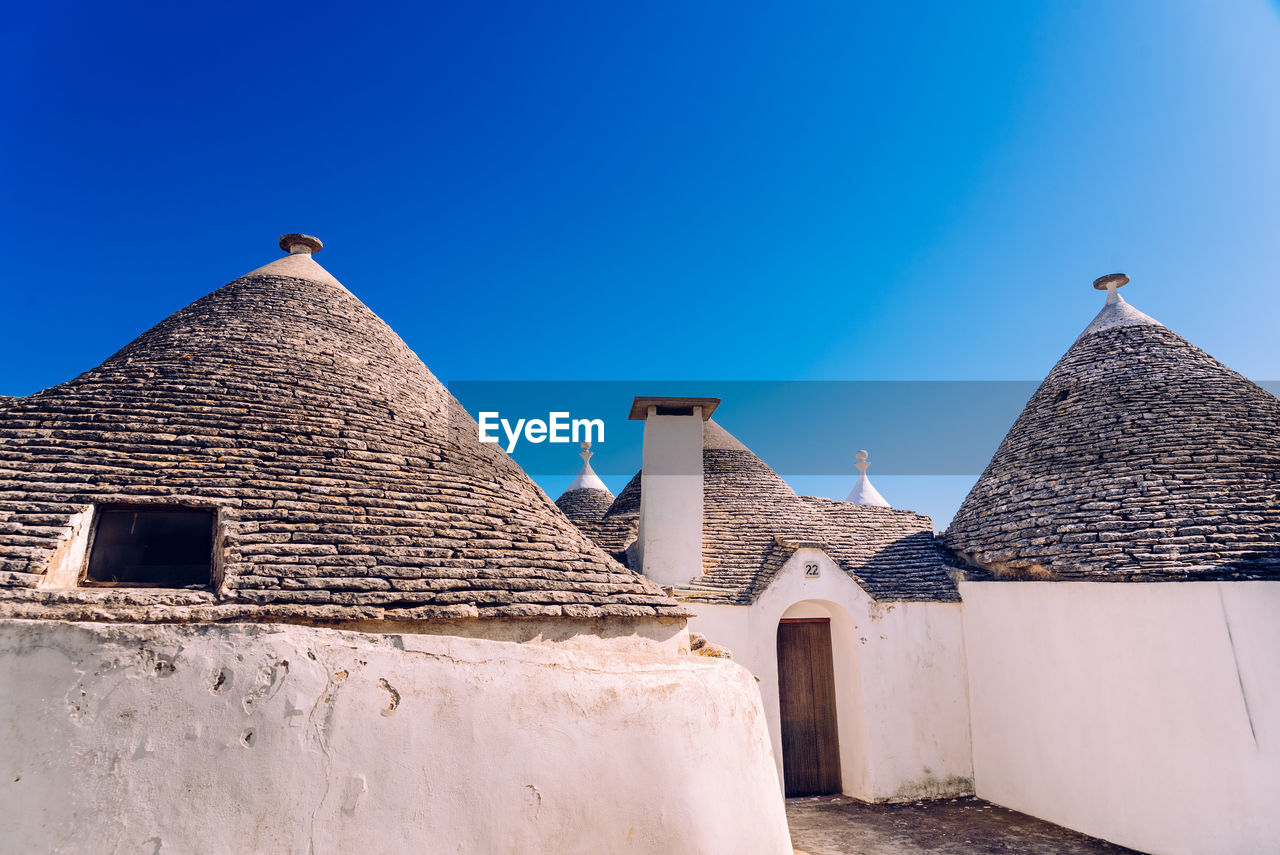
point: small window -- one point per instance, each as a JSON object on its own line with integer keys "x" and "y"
{"x": 160, "y": 547}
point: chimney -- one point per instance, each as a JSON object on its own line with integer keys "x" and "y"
{"x": 669, "y": 541}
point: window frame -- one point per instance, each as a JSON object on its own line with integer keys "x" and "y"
{"x": 215, "y": 544}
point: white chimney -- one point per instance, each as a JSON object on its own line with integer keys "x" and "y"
{"x": 669, "y": 540}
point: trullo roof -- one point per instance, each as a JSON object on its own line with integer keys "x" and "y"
{"x": 1140, "y": 457}
{"x": 350, "y": 484}
{"x": 587, "y": 498}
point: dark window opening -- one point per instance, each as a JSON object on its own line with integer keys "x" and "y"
{"x": 164, "y": 547}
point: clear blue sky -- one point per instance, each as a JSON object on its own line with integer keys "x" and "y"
{"x": 663, "y": 190}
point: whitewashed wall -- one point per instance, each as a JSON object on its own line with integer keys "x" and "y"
{"x": 274, "y": 739}
{"x": 901, "y": 691}
{"x": 1146, "y": 714}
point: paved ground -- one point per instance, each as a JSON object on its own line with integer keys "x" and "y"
{"x": 839, "y": 825}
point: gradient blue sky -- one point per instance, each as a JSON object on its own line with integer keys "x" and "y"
{"x": 667, "y": 190}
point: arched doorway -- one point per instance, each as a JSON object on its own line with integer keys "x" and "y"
{"x": 807, "y": 703}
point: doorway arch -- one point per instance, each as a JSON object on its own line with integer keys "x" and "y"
{"x": 822, "y": 720}
{"x": 807, "y": 706}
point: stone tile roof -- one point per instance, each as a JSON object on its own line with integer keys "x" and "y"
{"x": 753, "y": 521}
{"x": 615, "y": 532}
{"x": 585, "y": 507}
{"x": 1140, "y": 457}
{"x": 351, "y": 483}
{"x": 587, "y": 499}
{"x": 892, "y": 554}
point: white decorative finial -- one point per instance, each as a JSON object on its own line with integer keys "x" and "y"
{"x": 587, "y": 479}
{"x": 863, "y": 493}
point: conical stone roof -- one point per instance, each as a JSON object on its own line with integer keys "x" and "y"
{"x": 1139, "y": 457}
{"x": 753, "y": 521}
{"x": 738, "y": 490}
{"x": 585, "y": 507}
{"x": 586, "y": 500}
{"x": 350, "y": 484}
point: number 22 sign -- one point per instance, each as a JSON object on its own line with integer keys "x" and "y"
{"x": 811, "y": 570}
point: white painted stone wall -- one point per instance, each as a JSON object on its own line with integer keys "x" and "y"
{"x": 288, "y": 739}
{"x": 1147, "y": 714}
{"x": 669, "y": 534}
{"x": 901, "y": 692}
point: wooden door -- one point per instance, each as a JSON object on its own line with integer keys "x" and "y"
{"x": 807, "y": 694}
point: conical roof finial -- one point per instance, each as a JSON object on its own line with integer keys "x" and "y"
{"x": 299, "y": 263}
{"x": 296, "y": 244}
{"x": 862, "y": 465}
{"x": 1116, "y": 312}
{"x": 587, "y": 478}
{"x": 1111, "y": 283}
{"x": 863, "y": 493}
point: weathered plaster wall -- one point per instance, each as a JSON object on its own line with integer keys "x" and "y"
{"x": 287, "y": 739}
{"x": 901, "y": 692}
{"x": 916, "y": 684}
{"x": 1147, "y": 714}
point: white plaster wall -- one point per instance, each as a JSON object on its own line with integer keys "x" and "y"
{"x": 915, "y": 681}
{"x": 289, "y": 739}
{"x": 1146, "y": 714}
{"x": 901, "y": 691}
{"x": 669, "y": 534}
